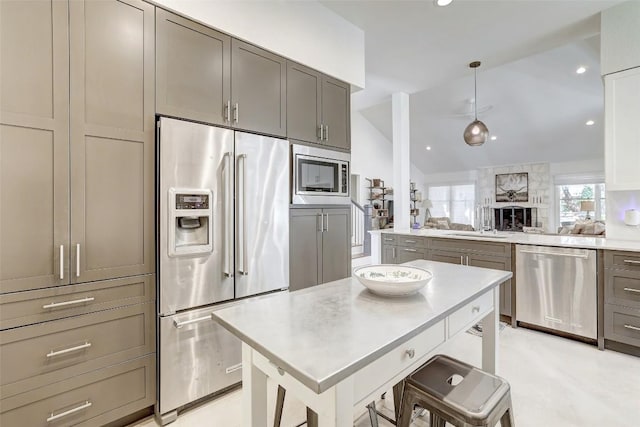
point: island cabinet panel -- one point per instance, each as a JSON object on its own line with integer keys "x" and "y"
{"x": 318, "y": 108}
{"x": 622, "y": 301}
{"x": 472, "y": 245}
{"x": 258, "y": 89}
{"x": 320, "y": 246}
{"x": 496, "y": 263}
{"x": 112, "y": 138}
{"x": 389, "y": 254}
{"x": 409, "y": 254}
{"x": 450, "y": 257}
{"x": 193, "y": 64}
{"x": 34, "y": 145}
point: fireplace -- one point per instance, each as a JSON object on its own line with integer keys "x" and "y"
{"x": 513, "y": 218}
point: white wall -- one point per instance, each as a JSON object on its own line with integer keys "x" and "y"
{"x": 372, "y": 157}
{"x": 304, "y": 31}
{"x": 620, "y": 37}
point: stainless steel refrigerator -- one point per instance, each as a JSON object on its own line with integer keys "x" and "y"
{"x": 223, "y": 234}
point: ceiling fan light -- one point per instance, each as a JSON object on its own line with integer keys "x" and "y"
{"x": 476, "y": 133}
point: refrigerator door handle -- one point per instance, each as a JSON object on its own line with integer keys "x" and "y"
{"x": 242, "y": 158}
{"x": 228, "y": 259}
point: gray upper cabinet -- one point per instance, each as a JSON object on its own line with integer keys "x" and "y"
{"x": 336, "y": 113}
{"x": 318, "y": 108}
{"x": 320, "y": 245}
{"x": 258, "y": 89}
{"x": 193, "y": 65}
{"x": 112, "y": 138}
{"x": 34, "y": 145}
{"x": 303, "y": 103}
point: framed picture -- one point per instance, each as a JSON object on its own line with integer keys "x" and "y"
{"x": 512, "y": 187}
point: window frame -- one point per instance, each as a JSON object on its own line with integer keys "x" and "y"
{"x": 455, "y": 184}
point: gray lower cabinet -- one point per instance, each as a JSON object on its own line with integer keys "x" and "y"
{"x": 318, "y": 108}
{"x": 320, "y": 246}
{"x": 479, "y": 254}
{"x": 193, "y": 70}
{"x": 397, "y": 249}
{"x": 622, "y": 299}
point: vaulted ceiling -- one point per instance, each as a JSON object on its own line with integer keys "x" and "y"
{"x": 534, "y": 102}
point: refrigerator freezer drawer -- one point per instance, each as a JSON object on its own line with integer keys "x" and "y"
{"x": 198, "y": 357}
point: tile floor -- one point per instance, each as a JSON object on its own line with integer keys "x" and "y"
{"x": 554, "y": 382}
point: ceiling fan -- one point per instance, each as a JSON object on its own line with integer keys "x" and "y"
{"x": 467, "y": 111}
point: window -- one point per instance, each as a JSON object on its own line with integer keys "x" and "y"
{"x": 570, "y": 196}
{"x": 454, "y": 201}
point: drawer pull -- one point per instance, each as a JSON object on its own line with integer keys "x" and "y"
{"x": 233, "y": 368}
{"x": 632, "y": 290}
{"x": 62, "y": 304}
{"x": 635, "y": 328}
{"x": 85, "y": 405}
{"x": 630, "y": 261}
{"x": 475, "y": 309}
{"x": 410, "y": 250}
{"x": 410, "y": 241}
{"x": 388, "y": 240}
{"x": 190, "y": 322}
{"x": 69, "y": 350}
{"x": 411, "y": 353}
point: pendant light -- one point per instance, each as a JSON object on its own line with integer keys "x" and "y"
{"x": 476, "y": 133}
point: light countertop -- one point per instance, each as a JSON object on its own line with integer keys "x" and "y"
{"x": 322, "y": 335}
{"x": 564, "y": 240}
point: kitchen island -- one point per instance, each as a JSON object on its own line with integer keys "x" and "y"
{"x": 336, "y": 346}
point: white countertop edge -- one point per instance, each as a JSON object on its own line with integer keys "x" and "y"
{"x": 564, "y": 240}
{"x": 321, "y": 385}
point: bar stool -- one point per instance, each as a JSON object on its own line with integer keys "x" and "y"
{"x": 455, "y": 392}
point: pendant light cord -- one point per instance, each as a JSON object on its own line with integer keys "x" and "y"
{"x": 475, "y": 93}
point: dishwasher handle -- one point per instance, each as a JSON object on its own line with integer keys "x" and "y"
{"x": 572, "y": 255}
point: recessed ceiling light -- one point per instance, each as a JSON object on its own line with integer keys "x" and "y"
{"x": 428, "y": 148}
{"x": 443, "y": 2}
{"x": 589, "y": 123}
{"x": 493, "y": 137}
{"x": 581, "y": 69}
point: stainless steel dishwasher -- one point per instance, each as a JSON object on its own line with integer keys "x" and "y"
{"x": 556, "y": 289}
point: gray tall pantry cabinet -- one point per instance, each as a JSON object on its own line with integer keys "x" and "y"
{"x": 76, "y": 227}
{"x": 318, "y": 108}
{"x": 320, "y": 244}
{"x": 208, "y": 76}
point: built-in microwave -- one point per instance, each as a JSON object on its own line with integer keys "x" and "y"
{"x": 319, "y": 176}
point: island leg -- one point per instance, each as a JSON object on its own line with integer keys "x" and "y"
{"x": 254, "y": 391}
{"x": 490, "y": 325}
{"x": 335, "y": 407}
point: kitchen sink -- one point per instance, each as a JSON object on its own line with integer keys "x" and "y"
{"x": 483, "y": 235}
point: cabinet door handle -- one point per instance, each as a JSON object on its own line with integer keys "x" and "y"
{"x": 227, "y": 111}
{"x": 632, "y": 290}
{"x": 631, "y": 261}
{"x": 85, "y": 405}
{"x": 62, "y": 304}
{"x": 236, "y": 113}
{"x": 461, "y": 259}
{"x": 77, "y": 259}
{"x": 320, "y": 222}
{"x": 69, "y": 350}
{"x": 61, "y": 262}
{"x": 326, "y": 227}
{"x": 635, "y": 328}
{"x": 467, "y": 260}
{"x": 320, "y": 133}
{"x": 326, "y": 132}
{"x": 393, "y": 251}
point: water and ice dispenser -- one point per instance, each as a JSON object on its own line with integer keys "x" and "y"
{"x": 190, "y": 221}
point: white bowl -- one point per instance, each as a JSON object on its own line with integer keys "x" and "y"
{"x": 393, "y": 280}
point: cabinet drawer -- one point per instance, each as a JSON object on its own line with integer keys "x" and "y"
{"x": 626, "y": 260}
{"x": 92, "y": 399}
{"x": 33, "y": 356}
{"x": 388, "y": 239}
{"x": 411, "y": 241}
{"x": 405, "y": 357}
{"x": 498, "y": 248}
{"x": 622, "y": 287}
{"x": 25, "y": 308}
{"x": 470, "y": 313}
{"x": 622, "y": 324}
